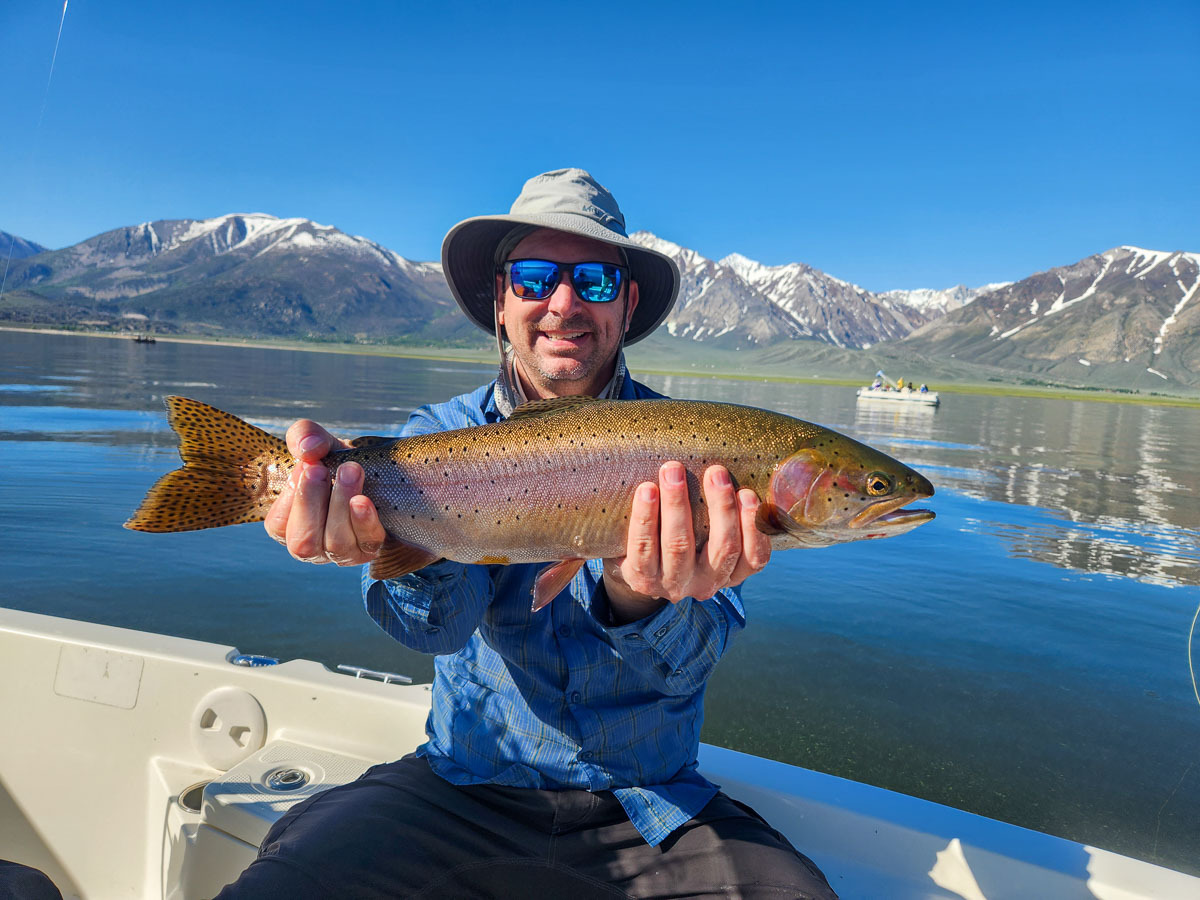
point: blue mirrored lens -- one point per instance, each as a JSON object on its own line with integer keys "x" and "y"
{"x": 533, "y": 279}
{"x": 597, "y": 282}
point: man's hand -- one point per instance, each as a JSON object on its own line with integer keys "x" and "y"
{"x": 317, "y": 523}
{"x": 662, "y": 562}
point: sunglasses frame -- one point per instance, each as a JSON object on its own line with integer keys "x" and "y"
{"x": 623, "y": 270}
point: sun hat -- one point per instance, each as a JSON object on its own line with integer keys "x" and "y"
{"x": 569, "y": 200}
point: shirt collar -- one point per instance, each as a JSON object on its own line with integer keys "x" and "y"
{"x": 509, "y": 394}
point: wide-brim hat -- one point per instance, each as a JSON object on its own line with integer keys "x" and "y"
{"x": 569, "y": 200}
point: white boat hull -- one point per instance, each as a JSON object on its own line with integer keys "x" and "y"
{"x": 106, "y": 729}
{"x": 906, "y": 396}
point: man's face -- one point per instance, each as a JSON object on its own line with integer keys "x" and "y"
{"x": 564, "y": 346}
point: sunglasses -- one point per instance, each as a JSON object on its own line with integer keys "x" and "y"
{"x": 594, "y": 282}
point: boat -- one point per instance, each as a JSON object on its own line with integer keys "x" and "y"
{"x": 885, "y": 390}
{"x": 142, "y": 765}
{"x": 143, "y": 339}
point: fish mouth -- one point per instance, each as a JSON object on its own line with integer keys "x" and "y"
{"x": 892, "y": 515}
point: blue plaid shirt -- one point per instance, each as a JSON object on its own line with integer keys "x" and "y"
{"x": 558, "y": 698}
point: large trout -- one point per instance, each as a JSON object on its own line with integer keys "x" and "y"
{"x": 553, "y": 483}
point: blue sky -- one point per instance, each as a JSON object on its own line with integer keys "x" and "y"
{"x": 892, "y": 145}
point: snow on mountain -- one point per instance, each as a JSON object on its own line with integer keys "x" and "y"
{"x": 260, "y": 233}
{"x": 754, "y": 303}
{"x": 935, "y": 303}
{"x": 1127, "y": 306}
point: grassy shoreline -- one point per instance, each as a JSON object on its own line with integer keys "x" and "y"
{"x": 643, "y": 366}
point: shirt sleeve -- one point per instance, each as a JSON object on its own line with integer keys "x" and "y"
{"x": 435, "y": 609}
{"x": 675, "y": 648}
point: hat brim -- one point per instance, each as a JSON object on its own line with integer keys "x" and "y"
{"x": 469, "y": 266}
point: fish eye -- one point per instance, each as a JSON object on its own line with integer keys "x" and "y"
{"x": 878, "y": 484}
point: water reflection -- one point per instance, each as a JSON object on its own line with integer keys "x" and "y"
{"x": 1114, "y": 485}
{"x": 908, "y": 420}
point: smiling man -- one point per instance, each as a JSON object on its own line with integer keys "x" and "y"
{"x": 564, "y": 345}
{"x": 561, "y": 751}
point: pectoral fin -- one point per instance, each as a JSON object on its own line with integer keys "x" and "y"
{"x": 768, "y": 519}
{"x": 397, "y": 558}
{"x": 551, "y": 581}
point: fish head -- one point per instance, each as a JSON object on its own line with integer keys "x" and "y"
{"x": 834, "y": 490}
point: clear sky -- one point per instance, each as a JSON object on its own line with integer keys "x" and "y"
{"x": 897, "y": 145}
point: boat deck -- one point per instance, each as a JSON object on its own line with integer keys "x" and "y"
{"x": 140, "y": 765}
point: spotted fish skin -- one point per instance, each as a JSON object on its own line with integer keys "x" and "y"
{"x": 553, "y": 482}
{"x": 558, "y": 482}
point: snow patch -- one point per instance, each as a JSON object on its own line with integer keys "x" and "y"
{"x": 1013, "y": 331}
{"x": 1061, "y": 304}
{"x": 1171, "y": 319}
{"x": 1146, "y": 259}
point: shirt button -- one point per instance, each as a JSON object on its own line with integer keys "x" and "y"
{"x": 564, "y": 630}
{"x": 678, "y": 672}
{"x": 576, "y": 696}
{"x": 661, "y": 631}
{"x": 632, "y": 637}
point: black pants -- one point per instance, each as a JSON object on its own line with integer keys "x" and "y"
{"x": 402, "y": 831}
{"x": 19, "y": 882}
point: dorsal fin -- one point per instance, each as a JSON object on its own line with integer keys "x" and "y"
{"x": 548, "y": 407}
{"x": 370, "y": 440}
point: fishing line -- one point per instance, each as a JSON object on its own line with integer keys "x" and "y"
{"x": 37, "y": 131}
{"x": 1192, "y": 668}
{"x": 1192, "y": 764}
{"x": 53, "y": 57}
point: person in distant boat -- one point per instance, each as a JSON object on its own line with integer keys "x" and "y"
{"x": 561, "y": 751}
{"x": 900, "y": 384}
{"x": 924, "y": 389}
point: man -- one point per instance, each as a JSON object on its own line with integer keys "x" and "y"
{"x": 561, "y": 759}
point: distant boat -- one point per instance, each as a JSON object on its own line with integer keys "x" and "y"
{"x": 143, "y": 339}
{"x": 887, "y": 391}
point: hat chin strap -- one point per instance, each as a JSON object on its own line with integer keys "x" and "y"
{"x": 506, "y": 394}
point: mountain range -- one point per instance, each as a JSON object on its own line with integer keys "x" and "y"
{"x": 246, "y": 275}
{"x": 1125, "y": 317}
{"x": 13, "y": 247}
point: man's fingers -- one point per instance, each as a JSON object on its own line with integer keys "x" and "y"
{"x": 640, "y": 570}
{"x": 678, "y": 544}
{"x": 724, "y": 547}
{"x": 756, "y": 546}
{"x": 306, "y": 524}
{"x": 308, "y": 441}
{"x": 353, "y": 532}
{"x": 341, "y": 543}
{"x": 367, "y": 527}
{"x": 277, "y": 516}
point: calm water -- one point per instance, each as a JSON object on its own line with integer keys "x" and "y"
{"x": 1023, "y": 657}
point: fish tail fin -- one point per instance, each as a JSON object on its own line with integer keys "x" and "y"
{"x": 232, "y": 472}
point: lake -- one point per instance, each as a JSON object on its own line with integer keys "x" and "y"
{"x": 1024, "y": 656}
